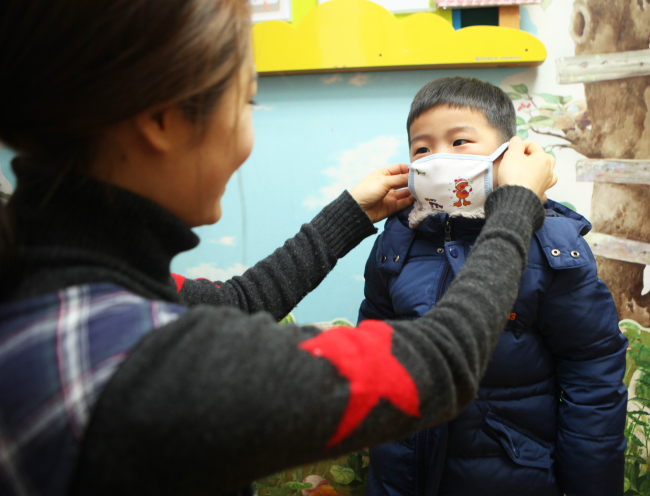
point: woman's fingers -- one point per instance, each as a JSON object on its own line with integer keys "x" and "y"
{"x": 531, "y": 147}
{"x": 397, "y": 181}
{"x": 404, "y": 202}
{"x": 402, "y": 193}
{"x": 397, "y": 169}
{"x": 381, "y": 193}
{"x": 527, "y": 164}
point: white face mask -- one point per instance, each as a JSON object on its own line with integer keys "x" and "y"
{"x": 454, "y": 184}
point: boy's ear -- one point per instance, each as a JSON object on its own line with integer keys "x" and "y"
{"x": 161, "y": 128}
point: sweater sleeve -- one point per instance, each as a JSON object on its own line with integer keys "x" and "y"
{"x": 278, "y": 283}
{"x": 218, "y": 398}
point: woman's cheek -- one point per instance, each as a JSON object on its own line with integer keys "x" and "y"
{"x": 246, "y": 145}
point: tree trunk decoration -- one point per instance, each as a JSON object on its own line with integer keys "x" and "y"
{"x": 620, "y": 129}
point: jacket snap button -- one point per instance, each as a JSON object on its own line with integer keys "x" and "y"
{"x": 575, "y": 254}
{"x": 453, "y": 251}
{"x": 396, "y": 258}
{"x": 555, "y": 252}
{"x": 440, "y": 251}
{"x": 516, "y": 452}
{"x": 383, "y": 259}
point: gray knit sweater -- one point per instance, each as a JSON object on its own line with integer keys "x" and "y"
{"x": 224, "y": 395}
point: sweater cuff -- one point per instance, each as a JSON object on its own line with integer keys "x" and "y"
{"x": 343, "y": 224}
{"x": 523, "y": 207}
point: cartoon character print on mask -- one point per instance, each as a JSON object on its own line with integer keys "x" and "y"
{"x": 432, "y": 202}
{"x": 455, "y": 184}
{"x": 462, "y": 193}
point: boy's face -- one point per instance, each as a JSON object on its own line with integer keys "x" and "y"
{"x": 443, "y": 129}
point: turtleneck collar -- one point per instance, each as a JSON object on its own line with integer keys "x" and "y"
{"x": 87, "y": 231}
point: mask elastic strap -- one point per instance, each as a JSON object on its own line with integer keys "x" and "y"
{"x": 412, "y": 183}
{"x": 500, "y": 151}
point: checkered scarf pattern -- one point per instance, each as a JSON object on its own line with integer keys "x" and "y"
{"x": 57, "y": 352}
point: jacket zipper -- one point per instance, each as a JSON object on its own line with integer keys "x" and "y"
{"x": 442, "y": 449}
{"x": 438, "y": 467}
{"x": 445, "y": 274}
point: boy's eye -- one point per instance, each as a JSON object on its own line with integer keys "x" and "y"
{"x": 421, "y": 150}
{"x": 460, "y": 142}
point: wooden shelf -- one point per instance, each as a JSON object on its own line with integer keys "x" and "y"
{"x": 358, "y": 35}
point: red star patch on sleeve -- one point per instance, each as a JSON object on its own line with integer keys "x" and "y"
{"x": 363, "y": 356}
{"x": 179, "y": 280}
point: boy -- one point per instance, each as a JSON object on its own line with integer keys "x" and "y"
{"x": 550, "y": 412}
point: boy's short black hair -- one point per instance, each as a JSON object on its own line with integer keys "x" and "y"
{"x": 461, "y": 92}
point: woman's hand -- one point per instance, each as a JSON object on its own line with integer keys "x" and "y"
{"x": 527, "y": 164}
{"x": 376, "y": 193}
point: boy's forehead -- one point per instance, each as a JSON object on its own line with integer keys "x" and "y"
{"x": 445, "y": 118}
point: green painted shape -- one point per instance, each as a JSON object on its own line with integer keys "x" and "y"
{"x": 568, "y": 205}
{"x": 289, "y": 319}
{"x": 342, "y": 475}
{"x": 639, "y": 354}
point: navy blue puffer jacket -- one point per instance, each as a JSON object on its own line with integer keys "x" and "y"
{"x": 550, "y": 412}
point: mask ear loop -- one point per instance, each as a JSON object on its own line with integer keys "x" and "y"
{"x": 489, "y": 178}
{"x": 412, "y": 183}
{"x": 500, "y": 151}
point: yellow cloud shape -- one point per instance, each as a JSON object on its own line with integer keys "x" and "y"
{"x": 358, "y": 34}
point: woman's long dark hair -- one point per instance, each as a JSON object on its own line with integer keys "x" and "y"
{"x": 70, "y": 69}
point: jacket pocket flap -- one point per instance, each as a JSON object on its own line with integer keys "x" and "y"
{"x": 520, "y": 445}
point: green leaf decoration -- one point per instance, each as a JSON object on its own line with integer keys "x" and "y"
{"x": 637, "y": 441}
{"x": 299, "y": 486}
{"x": 522, "y": 89}
{"x": 342, "y": 475}
{"x": 523, "y": 134}
{"x": 642, "y": 401}
{"x": 629, "y": 325}
{"x": 514, "y": 96}
{"x": 541, "y": 121}
{"x": 626, "y": 485}
{"x": 546, "y": 4}
{"x": 565, "y": 99}
{"x": 547, "y": 107}
{"x": 549, "y": 98}
{"x": 520, "y": 121}
{"x": 635, "y": 458}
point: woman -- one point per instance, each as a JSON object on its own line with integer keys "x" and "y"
{"x": 129, "y": 117}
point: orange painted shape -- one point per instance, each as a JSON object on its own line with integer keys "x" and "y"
{"x": 509, "y": 16}
{"x": 512, "y": 316}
